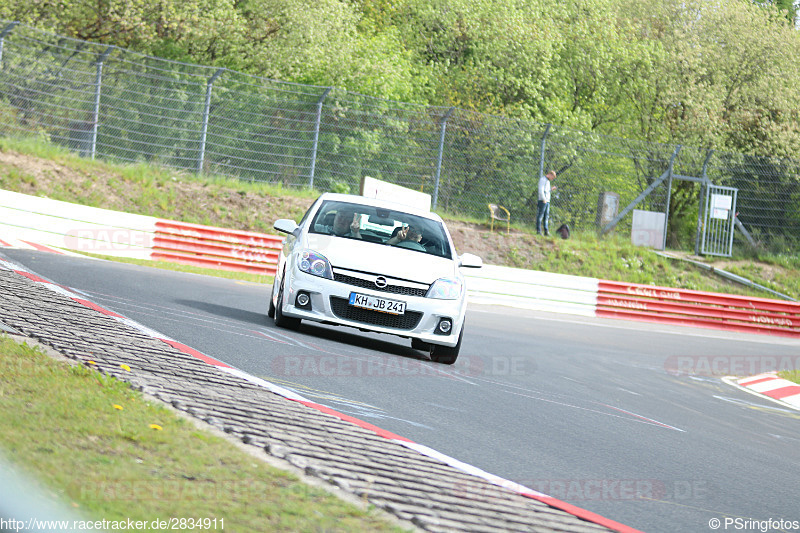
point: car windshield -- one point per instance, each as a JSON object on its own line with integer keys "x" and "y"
{"x": 381, "y": 226}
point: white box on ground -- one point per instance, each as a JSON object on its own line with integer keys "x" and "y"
{"x": 648, "y": 229}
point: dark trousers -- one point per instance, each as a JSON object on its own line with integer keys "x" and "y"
{"x": 543, "y": 217}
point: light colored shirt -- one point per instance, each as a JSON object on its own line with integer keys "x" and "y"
{"x": 544, "y": 189}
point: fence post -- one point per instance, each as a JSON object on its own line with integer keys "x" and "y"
{"x": 442, "y": 132}
{"x": 541, "y": 151}
{"x": 3, "y": 34}
{"x": 644, "y": 194}
{"x": 314, "y": 147}
{"x": 206, "y": 111}
{"x": 669, "y": 193}
{"x": 701, "y": 203}
{"x": 97, "y": 85}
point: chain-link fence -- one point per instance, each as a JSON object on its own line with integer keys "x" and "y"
{"x": 111, "y": 103}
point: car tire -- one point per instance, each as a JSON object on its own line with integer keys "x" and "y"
{"x": 281, "y": 320}
{"x": 446, "y": 355}
{"x": 271, "y": 308}
{"x": 418, "y": 344}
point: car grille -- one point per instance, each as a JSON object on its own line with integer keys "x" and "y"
{"x": 342, "y": 308}
{"x": 367, "y": 284}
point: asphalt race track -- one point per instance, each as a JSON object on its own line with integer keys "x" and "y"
{"x": 628, "y": 420}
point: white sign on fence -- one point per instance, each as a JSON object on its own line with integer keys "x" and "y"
{"x": 374, "y": 188}
{"x": 721, "y": 206}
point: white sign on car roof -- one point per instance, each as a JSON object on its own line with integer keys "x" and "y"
{"x": 381, "y": 190}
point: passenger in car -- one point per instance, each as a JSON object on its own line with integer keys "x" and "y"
{"x": 405, "y": 234}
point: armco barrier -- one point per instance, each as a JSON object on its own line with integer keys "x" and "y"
{"x": 531, "y": 289}
{"x": 101, "y": 231}
{"x": 212, "y": 247}
{"x": 75, "y": 227}
{"x": 89, "y": 229}
{"x": 695, "y": 308}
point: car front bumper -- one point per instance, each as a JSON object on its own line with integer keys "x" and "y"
{"x": 329, "y": 303}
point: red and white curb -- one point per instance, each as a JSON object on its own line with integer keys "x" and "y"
{"x": 290, "y": 395}
{"x": 770, "y": 386}
{"x": 20, "y": 244}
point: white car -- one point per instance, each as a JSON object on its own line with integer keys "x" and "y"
{"x": 376, "y": 266}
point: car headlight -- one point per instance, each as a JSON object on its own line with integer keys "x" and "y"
{"x": 446, "y": 289}
{"x": 315, "y": 264}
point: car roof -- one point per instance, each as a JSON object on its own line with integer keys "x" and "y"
{"x": 373, "y": 202}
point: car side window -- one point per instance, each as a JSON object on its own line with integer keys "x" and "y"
{"x": 323, "y": 221}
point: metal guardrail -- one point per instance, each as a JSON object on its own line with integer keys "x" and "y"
{"x": 633, "y": 301}
{"x": 100, "y": 231}
{"x": 212, "y": 247}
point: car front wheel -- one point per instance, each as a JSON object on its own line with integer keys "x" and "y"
{"x": 446, "y": 355}
{"x": 418, "y": 344}
{"x": 271, "y": 309}
{"x": 281, "y": 320}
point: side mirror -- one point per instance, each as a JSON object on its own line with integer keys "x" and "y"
{"x": 284, "y": 225}
{"x": 470, "y": 261}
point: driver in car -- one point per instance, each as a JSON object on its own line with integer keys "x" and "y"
{"x": 405, "y": 233}
{"x": 346, "y": 224}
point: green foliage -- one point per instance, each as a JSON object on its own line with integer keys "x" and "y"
{"x": 340, "y": 187}
{"x": 725, "y": 79}
{"x": 489, "y": 55}
{"x": 721, "y": 75}
{"x": 598, "y": 63}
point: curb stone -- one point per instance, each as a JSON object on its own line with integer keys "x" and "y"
{"x": 770, "y": 387}
{"x": 411, "y": 482}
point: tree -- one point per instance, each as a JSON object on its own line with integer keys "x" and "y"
{"x": 599, "y": 62}
{"x": 138, "y": 24}
{"x": 788, "y": 8}
{"x": 489, "y": 55}
{"x": 726, "y": 80}
{"x": 728, "y": 77}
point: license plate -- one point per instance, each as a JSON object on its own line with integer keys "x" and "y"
{"x": 393, "y": 307}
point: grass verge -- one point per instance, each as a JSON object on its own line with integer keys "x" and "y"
{"x": 110, "y": 454}
{"x": 791, "y": 375}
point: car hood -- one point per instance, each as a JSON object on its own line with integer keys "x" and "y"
{"x": 381, "y": 259}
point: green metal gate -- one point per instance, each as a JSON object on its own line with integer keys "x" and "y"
{"x": 719, "y": 215}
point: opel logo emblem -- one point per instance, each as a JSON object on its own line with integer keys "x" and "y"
{"x": 380, "y": 282}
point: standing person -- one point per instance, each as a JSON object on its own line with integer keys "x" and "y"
{"x": 543, "y": 206}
